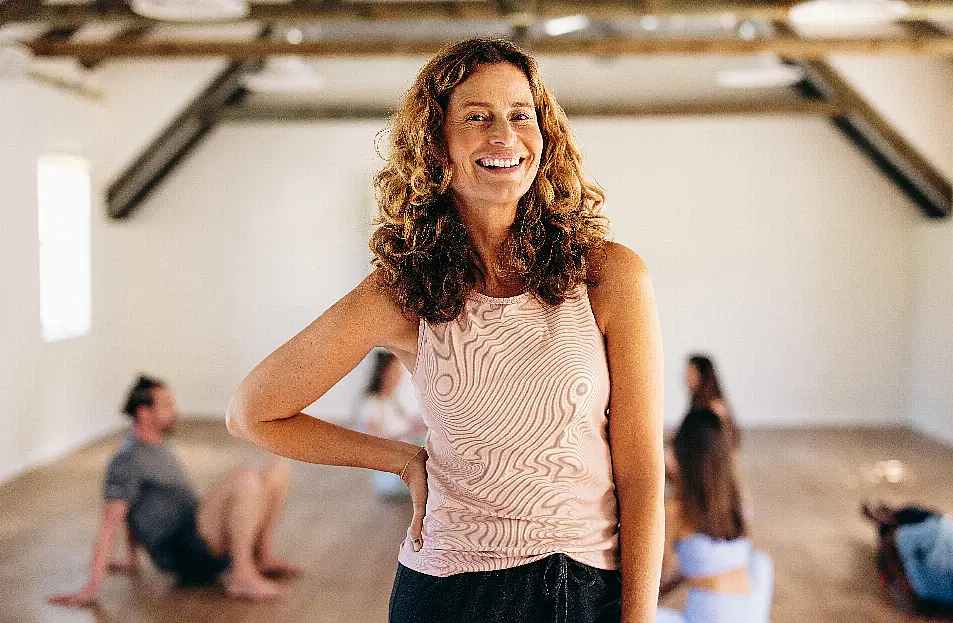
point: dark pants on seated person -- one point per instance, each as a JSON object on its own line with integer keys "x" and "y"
{"x": 186, "y": 555}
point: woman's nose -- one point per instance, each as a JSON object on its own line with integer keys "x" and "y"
{"x": 502, "y": 133}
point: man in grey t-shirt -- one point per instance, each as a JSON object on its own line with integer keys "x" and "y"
{"x": 231, "y": 530}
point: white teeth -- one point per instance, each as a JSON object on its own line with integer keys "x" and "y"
{"x": 499, "y": 162}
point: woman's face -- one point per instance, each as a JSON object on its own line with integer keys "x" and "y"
{"x": 493, "y": 137}
{"x": 692, "y": 378}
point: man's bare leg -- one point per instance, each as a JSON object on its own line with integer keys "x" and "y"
{"x": 276, "y": 481}
{"x": 230, "y": 521}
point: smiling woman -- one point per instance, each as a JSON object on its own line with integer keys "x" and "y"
{"x": 474, "y": 108}
{"x": 533, "y": 341}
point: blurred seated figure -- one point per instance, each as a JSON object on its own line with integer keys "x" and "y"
{"x": 384, "y": 412}
{"x": 146, "y": 491}
{"x": 914, "y": 556}
{"x": 706, "y": 544}
{"x": 704, "y": 392}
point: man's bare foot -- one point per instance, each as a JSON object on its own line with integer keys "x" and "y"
{"x": 276, "y": 566}
{"x": 252, "y": 588}
{"x": 878, "y": 512}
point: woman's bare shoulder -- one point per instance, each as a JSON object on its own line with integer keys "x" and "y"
{"x": 377, "y": 306}
{"x": 614, "y": 263}
{"x": 617, "y": 274}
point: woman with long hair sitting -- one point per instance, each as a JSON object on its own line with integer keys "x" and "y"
{"x": 729, "y": 581}
{"x": 382, "y": 414}
{"x": 704, "y": 389}
{"x": 704, "y": 392}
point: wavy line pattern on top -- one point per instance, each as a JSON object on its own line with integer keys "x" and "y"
{"x": 514, "y": 393}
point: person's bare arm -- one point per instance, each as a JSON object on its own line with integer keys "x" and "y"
{"x": 131, "y": 563}
{"x": 266, "y": 408}
{"x": 634, "y": 349}
{"x": 114, "y": 515}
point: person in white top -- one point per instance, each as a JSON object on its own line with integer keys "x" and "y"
{"x": 382, "y": 413}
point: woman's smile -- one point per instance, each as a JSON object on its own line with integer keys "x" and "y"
{"x": 501, "y": 164}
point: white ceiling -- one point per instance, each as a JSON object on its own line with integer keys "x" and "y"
{"x": 575, "y": 82}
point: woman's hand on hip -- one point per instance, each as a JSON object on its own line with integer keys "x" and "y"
{"x": 415, "y": 476}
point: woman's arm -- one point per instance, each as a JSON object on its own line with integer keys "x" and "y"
{"x": 634, "y": 349}
{"x": 266, "y": 408}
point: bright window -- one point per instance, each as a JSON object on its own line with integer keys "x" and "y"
{"x": 64, "y": 198}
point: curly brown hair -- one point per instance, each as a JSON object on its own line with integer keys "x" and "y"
{"x": 421, "y": 248}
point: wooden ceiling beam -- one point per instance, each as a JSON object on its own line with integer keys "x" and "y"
{"x": 876, "y": 137}
{"x": 784, "y": 45}
{"x": 132, "y": 33}
{"x": 127, "y": 192}
{"x": 924, "y": 28}
{"x": 19, "y": 10}
{"x": 884, "y": 144}
{"x": 141, "y": 177}
{"x": 58, "y": 33}
{"x": 305, "y": 10}
{"x": 297, "y": 113}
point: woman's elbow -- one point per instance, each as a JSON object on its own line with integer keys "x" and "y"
{"x": 239, "y": 418}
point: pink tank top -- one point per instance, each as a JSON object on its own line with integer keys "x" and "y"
{"x": 514, "y": 393}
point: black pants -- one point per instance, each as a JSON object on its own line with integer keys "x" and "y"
{"x": 186, "y": 555}
{"x": 905, "y": 516}
{"x": 555, "y": 589}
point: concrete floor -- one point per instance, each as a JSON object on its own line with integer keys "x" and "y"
{"x": 805, "y": 486}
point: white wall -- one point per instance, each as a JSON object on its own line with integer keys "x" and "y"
{"x": 915, "y": 94}
{"x": 260, "y": 232}
{"x": 761, "y": 236}
{"x": 55, "y": 396}
{"x": 931, "y": 388}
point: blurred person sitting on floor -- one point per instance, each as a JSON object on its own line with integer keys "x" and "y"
{"x": 382, "y": 413}
{"x": 914, "y": 555}
{"x": 706, "y": 533}
{"x": 704, "y": 392}
{"x": 230, "y": 531}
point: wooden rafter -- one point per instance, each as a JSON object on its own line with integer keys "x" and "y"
{"x": 292, "y": 113}
{"x": 889, "y": 149}
{"x": 161, "y": 156}
{"x": 924, "y": 28}
{"x": 182, "y": 134}
{"x": 877, "y": 138}
{"x": 19, "y": 10}
{"x": 451, "y": 9}
{"x": 785, "y": 45}
{"x": 131, "y": 33}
